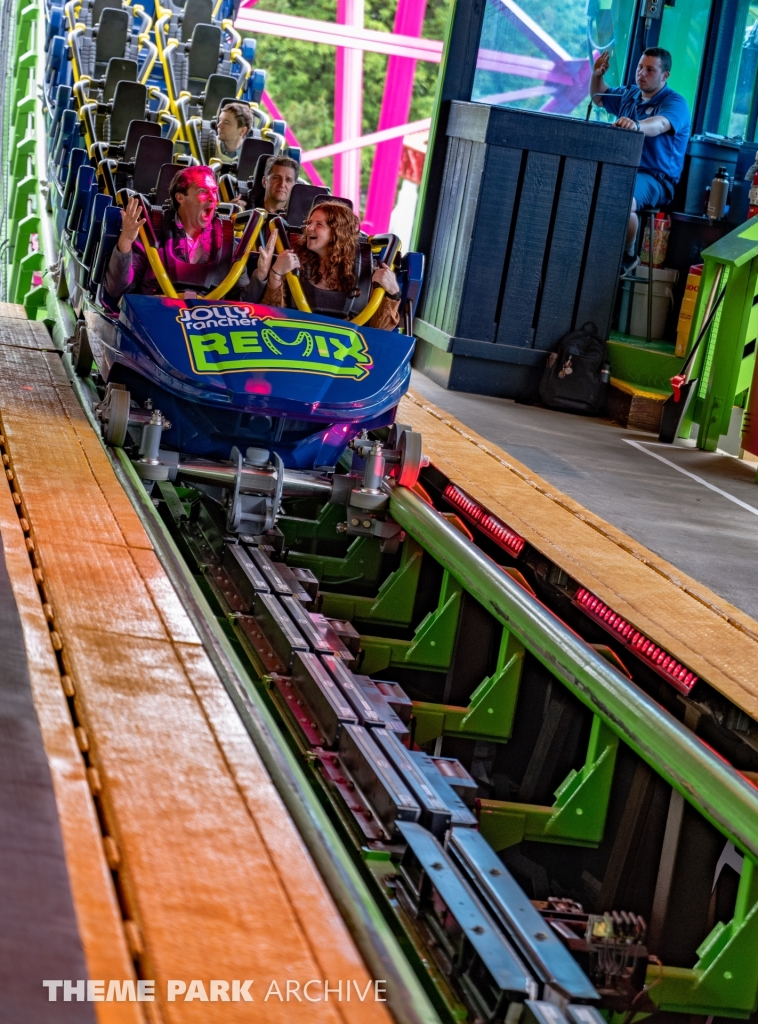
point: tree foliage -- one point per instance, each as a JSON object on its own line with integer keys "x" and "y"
{"x": 301, "y": 75}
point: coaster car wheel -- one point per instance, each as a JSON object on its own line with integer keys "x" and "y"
{"x": 395, "y": 431}
{"x": 81, "y": 353}
{"x": 113, "y": 413}
{"x": 411, "y": 458}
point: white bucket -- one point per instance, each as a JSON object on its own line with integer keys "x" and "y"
{"x": 662, "y": 301}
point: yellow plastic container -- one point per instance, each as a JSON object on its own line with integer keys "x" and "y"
{"x": 688, "y": 308}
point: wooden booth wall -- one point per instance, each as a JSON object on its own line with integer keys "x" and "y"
{"x": 528, "y": 239}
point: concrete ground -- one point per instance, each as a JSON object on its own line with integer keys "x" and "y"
{"x": 698, "y": 510}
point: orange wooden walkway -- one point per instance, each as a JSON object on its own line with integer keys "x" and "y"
{"x": 187, "y": 863}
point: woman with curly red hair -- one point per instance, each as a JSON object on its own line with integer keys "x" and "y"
{"x": 329, "y": 259}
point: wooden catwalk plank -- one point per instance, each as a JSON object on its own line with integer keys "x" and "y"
{"x": 98, "y": 914}
{"x": 708, "y": 634}
{"x": 13, "y": 309}
{"x": 40, "y": 936}
{"x": 19, "y": 333}
{"x": 215, "y": 879}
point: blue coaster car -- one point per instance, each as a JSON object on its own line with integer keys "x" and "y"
{"x": 231, "y": 373}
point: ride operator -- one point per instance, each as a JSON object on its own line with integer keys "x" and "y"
{"x": 662, "y": 115}
{"x": 196, "y": 247}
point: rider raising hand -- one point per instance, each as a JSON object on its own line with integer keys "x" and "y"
{"x": 131, "y": 221}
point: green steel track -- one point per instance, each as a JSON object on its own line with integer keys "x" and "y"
{"x": 411, "y": 612}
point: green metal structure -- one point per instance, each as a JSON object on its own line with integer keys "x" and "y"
{"x": 725, "y": 360}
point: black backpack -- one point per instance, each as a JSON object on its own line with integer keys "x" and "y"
{"x": 572, "y": 380}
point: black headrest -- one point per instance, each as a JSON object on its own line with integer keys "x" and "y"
{"x": 119, "y": 69}
{"x": 152, "y": 155}
{"x": 302, "y": 198}
{"x": 129, "y": 104}
{"x": 112, "y": 33}
{"x": 257, "y": 191}
{"x": 195, "y": 12}
{"x": 325, "y": 197}
{"x": 97, "y": 9}
{"x": 224, "y": 102}
{"x": 252, "y": 151}
{"x": 136, "y": 131}
{"x": 165, "y": 177}
{"x": 217, "y": 89}
{"x": 204, "y": 53}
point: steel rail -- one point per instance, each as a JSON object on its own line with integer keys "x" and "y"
{"x": 702, "y": 777}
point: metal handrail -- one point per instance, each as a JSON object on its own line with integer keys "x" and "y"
{"x": 147, "y": 21}
{"x": 152, "y": 55}
{"x": 168, "y": 74}
{"x": 245, "y": 72}
{"x": 228, "y": 26}
{"x": 73, "y": 41}
{"x": 703, "y": 778}
{"x": 377, "y": 296}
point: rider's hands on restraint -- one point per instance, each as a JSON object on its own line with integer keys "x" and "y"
{"x": 131, "y": 221}
{"x": 286, "y": 262}
{"x": 602, "y": 64}
{"x": 265, "y": 256}
{"x": 384, "y": 277}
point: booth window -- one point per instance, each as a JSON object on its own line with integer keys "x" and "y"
{"x": 731, "y": 107}
{"x": 539, "y": 56}
{"x": 683, "y": 31}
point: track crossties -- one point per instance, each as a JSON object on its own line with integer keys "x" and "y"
{"x": 709, "y": 635}
{"x": 184, "y": 863}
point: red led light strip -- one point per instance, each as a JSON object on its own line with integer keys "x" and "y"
{"x": 493, "y": 527}
{"x": 655, "y": 656}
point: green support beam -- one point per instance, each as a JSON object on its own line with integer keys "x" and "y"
{"x": 577, "y": 818}
{"x": 433, "y": 640}
{"x": 712, "y": 786}
{"x": 361, "y": 563}
{"x": 724, "y": 981}
{"x": 489, "y": 715}
{"x": 395, "y": 599}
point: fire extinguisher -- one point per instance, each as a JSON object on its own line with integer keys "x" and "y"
{"x": 752, "y": 174}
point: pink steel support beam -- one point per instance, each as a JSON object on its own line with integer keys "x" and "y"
{"x": 557, "y": 69}
{"x": 289, "y": 135}
{"x": 291, "y": 26}
{"x": 398, "y": 132}
{"x": 517, "y": 94}
{"x": 348, "y": 106}
{"x": 396, "y": 105}
{"x": 404, "y": 46}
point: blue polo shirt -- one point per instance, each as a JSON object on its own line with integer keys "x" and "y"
{"x": 662, "y": 155}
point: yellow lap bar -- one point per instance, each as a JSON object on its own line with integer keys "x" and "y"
{"x": 293, "y": 283}
{"x": 237, "y": 267}
{"x": 370, "y": 308}
{"x": 157, "y": 267}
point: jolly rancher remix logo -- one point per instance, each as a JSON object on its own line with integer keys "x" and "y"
{"x": 224, "y": 339}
